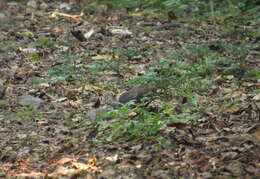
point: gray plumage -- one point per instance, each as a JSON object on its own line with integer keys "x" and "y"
{"x": 136, "y": 94}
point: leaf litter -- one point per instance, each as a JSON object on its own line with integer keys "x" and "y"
{"x": 57, "y": 140}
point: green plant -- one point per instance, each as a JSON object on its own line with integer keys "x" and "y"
{"x": 253, "y": 74}
{"x": 148, "y": 30}
{"x": 3, "y": 103}
{"x": 35, "y": 57}
{"x": 188, "y": 71}
{"x": 131, "y": 124}
{"x": 102, "y": 66}
{"x": 139, "y": 123}
{"x": 29, "y": 113}
{"x": 44, "y": 43}
{"x": 113, "y": 62}
{"x": 212, "y": 8}
{"x": 66, "y": 68}
{"x": 71, "y": 140}
{"x": 184, "y": 33}
{"x": 129, "y": 53}
{"x": 35, "y": 81}
{"x": 238, "y": 53}
{"x": 185, "y": 69}
{"x": 117, "y": 4}
{"x": 62, "y": 72}
{"x": 7, "y": 22}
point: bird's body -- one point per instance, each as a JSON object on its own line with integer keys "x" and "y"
{"x": 135, "y": 94}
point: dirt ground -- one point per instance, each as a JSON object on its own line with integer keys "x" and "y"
{"x": 57, "y": 140}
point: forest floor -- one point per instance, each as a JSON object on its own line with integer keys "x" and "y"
{"x": 61, "y": 70}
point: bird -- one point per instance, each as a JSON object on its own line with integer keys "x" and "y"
{"x": 136, "y": 93}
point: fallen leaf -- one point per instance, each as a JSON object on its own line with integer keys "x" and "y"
{"x": 112, "y": 158}
{"x": 102, "y": 57}
{"x": 257, "y": 97}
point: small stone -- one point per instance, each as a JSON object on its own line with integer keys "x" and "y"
{"x": 93, "y": 114}
{"x": 44, "y": 6}
{"x": 113, "y": 158}
{"x": 65, "y": 7}
{"x": 2, "y": 16}
{"x": 137, "y": 147}
{"x": 44, "y": 85}
{"x": 27, "y": 100}
{"x": 206, "y": 175}
{"x": 146, "y": 38}
{"x": 124, "y": 32}
{"x": 230, "y": 77}
{"x": 21, "y": 136}
{"x": 32, "y": 4}
{"x": 29, "y": 49}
